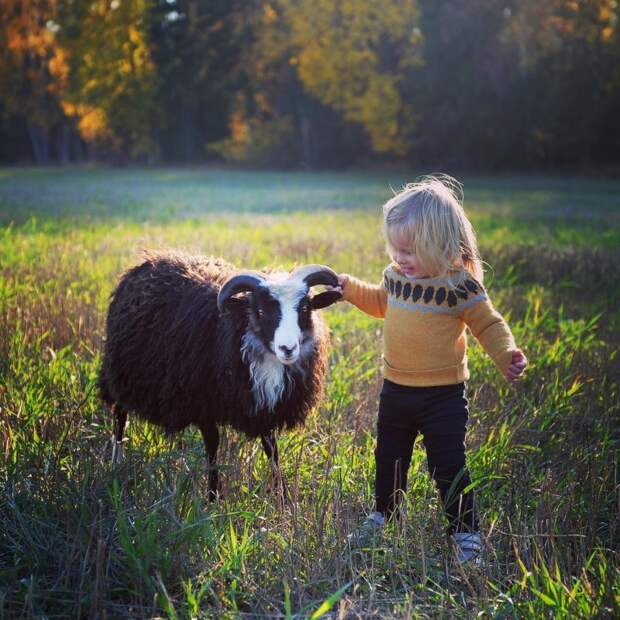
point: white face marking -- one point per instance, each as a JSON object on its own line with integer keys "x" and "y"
{"x": 268, "y": 374}
{"x": 287, "y": 336}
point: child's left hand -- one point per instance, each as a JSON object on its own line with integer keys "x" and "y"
{"x": 517, "y": 365}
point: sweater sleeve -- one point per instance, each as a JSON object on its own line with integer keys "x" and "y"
{"x": 492, "y": 332}
{"x": 370, "y": 298}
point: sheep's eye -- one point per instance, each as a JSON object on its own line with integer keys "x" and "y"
{"x": 261, "y": 312}
{"x": 305, "y": 309}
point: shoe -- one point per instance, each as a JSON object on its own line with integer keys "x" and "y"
{"x": 468, "y": 548}
{"x": 368, "y": 533}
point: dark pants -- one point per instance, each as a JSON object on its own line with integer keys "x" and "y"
{"x": 440, "y": 414}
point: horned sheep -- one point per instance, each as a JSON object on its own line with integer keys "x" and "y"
{"x": 193, "y": 341}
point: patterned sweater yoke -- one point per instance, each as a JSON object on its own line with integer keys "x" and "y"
{"x": 424, "y": 334}
{"x": 446, "y": 295}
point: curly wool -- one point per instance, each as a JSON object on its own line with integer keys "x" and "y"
{"x": 172, "y": 359}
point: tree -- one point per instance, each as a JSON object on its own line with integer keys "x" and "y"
{"x": 352, "y": 55}
{"x": 465, "y": 91}
{"x": 274, "y": 120}
{"x": 569, "y": 54}
{"x": 196, "y": 52}
{"x": 33, "y": 69}
{"x": 113, "y": 82}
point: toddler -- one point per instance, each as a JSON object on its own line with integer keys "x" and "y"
{"x": 430, "y": 293}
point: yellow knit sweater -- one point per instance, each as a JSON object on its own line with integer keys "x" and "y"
{"x": 425, "y": 320}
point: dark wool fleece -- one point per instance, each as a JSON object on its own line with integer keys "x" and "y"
{"x": 172, "y": 359}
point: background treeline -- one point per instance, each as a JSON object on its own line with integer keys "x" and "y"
{"x": 489, "y": 84}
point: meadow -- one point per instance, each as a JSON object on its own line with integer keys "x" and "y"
{"x": 80, "y": 537}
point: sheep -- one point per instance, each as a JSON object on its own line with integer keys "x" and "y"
{"x": 182, "y": 348}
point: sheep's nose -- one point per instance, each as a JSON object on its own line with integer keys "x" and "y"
{"x": 288, "y": 351}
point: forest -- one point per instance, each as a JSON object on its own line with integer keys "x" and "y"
{"x": 447, "y": 84}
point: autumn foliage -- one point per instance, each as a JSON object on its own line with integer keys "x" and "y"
{"x": 317, "y": 83}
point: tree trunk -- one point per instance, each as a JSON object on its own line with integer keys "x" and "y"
{"x": 64, "y": 144}
{"x": 40, "y": 143}
{"x": 91, "y": 152}
{"x": 78, "y": 147}
{"x": 305, "y": 129}
{"x": 188, "y": 134}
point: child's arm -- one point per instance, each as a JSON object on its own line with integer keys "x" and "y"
{"x": 493, "y": 333}
{"x": 369, "y": 298}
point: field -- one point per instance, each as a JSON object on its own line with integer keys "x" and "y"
{"x": 82, "y": 538}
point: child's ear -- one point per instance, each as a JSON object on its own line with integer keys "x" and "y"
{"x": 322, "y": 300}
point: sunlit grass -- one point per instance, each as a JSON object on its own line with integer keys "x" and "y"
{"x": 82, "y": 538}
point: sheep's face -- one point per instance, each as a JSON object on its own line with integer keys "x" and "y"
{"x": 280, "y": 309}
{"x": 282, "y": 318}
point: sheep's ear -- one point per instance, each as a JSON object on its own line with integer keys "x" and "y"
{"x": 247, "y": 281}
{"x": 322, "y": 300}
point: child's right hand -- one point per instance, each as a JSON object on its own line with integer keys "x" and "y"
{"x": 342, "y": 280}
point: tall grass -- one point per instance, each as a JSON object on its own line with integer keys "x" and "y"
{"x": 82, "y": 538}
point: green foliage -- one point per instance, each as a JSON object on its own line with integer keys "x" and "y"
{"x": 83, "y": 538}
{"x": 264, "y": 143}
{"x": 113, "y": 78}
{"x": 353, "y": 55}
{"x": 196, "y": 48}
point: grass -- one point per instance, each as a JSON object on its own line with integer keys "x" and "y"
{"x": 80, "y": 538}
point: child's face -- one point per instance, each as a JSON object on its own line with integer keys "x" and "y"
{"x": 405, "y": 255}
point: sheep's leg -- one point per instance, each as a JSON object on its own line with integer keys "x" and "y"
{"x": 211, "y": 438}
{"x": 120, "y": 419}
{"x": 270, "y": 446}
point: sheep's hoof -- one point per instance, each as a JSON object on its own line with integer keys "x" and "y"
{"x": 214, "y": 496}
{"x": 117, "y": 452}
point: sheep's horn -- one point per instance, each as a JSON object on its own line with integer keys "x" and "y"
{"x": 316, "y": 274}
{"x": 244, "y": 281}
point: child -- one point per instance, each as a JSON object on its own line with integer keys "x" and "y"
{"x": 430, "y": 293}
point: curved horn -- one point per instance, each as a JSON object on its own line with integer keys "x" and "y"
{"x": 316, "y": 274}
{"x": 244, "y": 281}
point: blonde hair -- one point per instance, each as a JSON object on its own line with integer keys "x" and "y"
{"x": 430, "y": 216}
